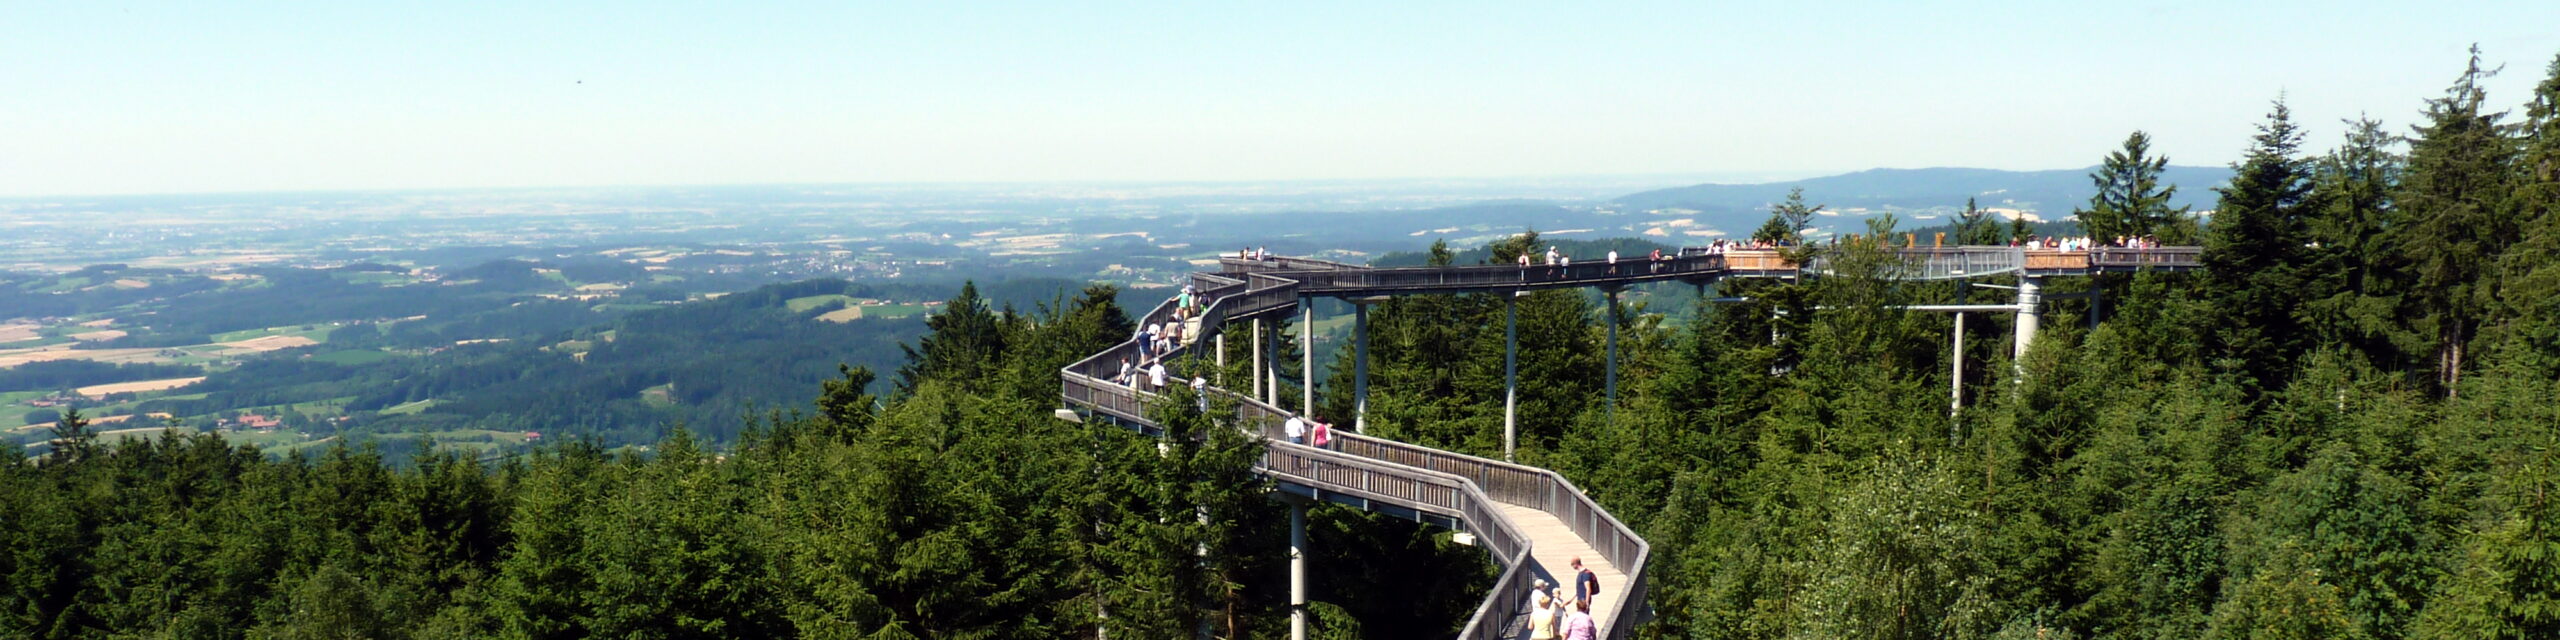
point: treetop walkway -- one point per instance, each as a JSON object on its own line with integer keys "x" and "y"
{"x": 1531, "y": 520}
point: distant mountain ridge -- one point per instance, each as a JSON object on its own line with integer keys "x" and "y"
{"x": 2051, "y": 194}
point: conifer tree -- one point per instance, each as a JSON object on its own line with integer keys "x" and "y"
{"x": 2532, "y": 293}
{"x": 2254, "y": 255}
{"x": 2130, "y": 201}
{"x": 2455, "y": 193}
{"x": 1788, "y": 219}
{"x": 2353, "y": 283}
{"x": 967, "y": 339}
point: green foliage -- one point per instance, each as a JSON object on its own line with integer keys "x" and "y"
{"x": 2131, "y": 201}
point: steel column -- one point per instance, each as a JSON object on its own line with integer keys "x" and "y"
{"x": 1221, "y": 346}
{"x": 2030, "y": 296}
{"x": 1612, "y": 293}
{"x": 1360, "y": 367}
{"x": 1955, "y": 386}
{"x": 1257, "y": 359}
{"x": 1297, "y": 570}
{"x": 2097, "y": 302}
{"x": 1307, "y": 356}
{"x": 1510, "y": 375}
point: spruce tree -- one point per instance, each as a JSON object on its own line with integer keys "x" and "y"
{"x": 2254, "y": 256}
{"x": 967, "y": 339}
{"x": 2130, "y": 201}
{"x": 2532, "y": 291}
{"x": 2353, "y": 285}
{"x": 2455, "y": 193}
{"x": 1788, "y": 219}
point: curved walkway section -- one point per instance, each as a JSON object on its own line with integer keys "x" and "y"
{"x": 1532, "y": 520}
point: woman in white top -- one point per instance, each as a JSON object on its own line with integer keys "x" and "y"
{"x": 1542, "y": 618}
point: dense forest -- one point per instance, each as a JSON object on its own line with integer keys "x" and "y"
{"x": 2342, "y": 427}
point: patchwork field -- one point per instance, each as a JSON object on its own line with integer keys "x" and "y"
{"x": 101, "y": 390}
{"x": 15, "y": 357}
{"x": 269, "y": 343}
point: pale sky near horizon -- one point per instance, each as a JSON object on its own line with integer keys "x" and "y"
{"x": 117, "y": 97}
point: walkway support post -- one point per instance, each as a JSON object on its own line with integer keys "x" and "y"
{"x": 1307, "y": 356}
{"x": 1510, "y": 375}
{"x": 1297, "y": 569}
{"x": 1257, "y": 359}
{"x": 1221, "y": 346}
{"x": 2097, "y": 302}
{"x": 1359, "y": 367}
{"x": 2030, "y": 296}
{"x": 1612, "y": 293}
{"x": 1955, "y": 383}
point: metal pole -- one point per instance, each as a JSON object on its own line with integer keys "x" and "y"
{"x": 1257, "y": 359}
{"x": 1360, "y": 368}
{"x": 1307, "y": 356}
{"x": 1955, "y": 386}
{"x": 1297, "y": 570}
{"x": 1510, "y": 375}
{"x": 1221, "y": 339}
{"x": 1612, "y": 294}
{"x": 2097, "y": 302}
{"x": 2030, "y": 296}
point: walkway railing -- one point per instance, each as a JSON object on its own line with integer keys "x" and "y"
{"x": 1469, "y": 488}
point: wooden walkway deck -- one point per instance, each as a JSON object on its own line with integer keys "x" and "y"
{"x": 1553, "y": 546}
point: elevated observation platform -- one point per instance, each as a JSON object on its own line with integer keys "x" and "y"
{"x": 1530, "y": 520}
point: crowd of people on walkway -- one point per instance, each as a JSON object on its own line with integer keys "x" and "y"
{"x": 1557, "y": 262}
{"x": 2085, "y": 243}
{"x": 1551, "y": 617}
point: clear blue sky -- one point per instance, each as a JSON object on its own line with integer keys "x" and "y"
{"x": 147, "y": 97}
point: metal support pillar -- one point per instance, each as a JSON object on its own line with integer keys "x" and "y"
{"x": 2030, "y": 296}
{"x": 1221, "y": 346}
{"x": 1297, "y": 570}
{"x": 1307, "y": 356}
{"x": 1359, "y": 367}
{"x": 2097, "y": 302}
{"x": 1612, "y": 293}
{"x": 1257, "y": 360}
{"x": 1270, "y": 391}
{"x": 1510, "y": 375}
{"x": 1955, "y": 384}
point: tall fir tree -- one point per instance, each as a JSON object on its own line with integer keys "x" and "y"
{"x": 2130, "y": 201}
{"x": 2532, "y": 292}
{"x": 2455, "y": 194}
{"x": 2254, "y": 256}
{"x": 966, "y": 342}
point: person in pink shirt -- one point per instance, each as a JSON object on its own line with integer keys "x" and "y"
{"x": 1578, "y": 625}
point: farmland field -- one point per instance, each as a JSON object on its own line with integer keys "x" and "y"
{"x": 101, "y": 390}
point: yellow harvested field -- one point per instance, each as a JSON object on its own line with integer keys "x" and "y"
{"x": 97, "y": 336}
{"x": 15, "y": 357}
{"x": 100, "y": 323}
{"x": 101, "y": 390}
{"x": 847, "y": 314}
{"x": 17, "y": 332}
{"x": 270, "y": 343}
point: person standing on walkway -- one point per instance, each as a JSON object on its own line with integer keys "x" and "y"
{"x": 1542, "y": 616}
{"x": 1578, "y": 625}
{"x": 1296, "y": 429}
{"x": 1125, "y": 378}
{"x": 1319, "y": 434}
{"x": 1200, "y": 391}
{"x": 1613, "y": 262}
{"x": 1586, "y": 585}
{"x": 1155, "y": 381}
